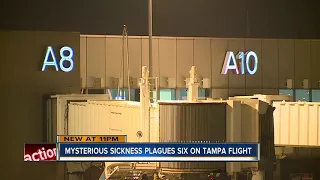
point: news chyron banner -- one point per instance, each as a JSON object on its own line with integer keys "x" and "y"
{"x": 117, "y": 149}
{"x": 49, "y": 152}
{"x": 155, "y": 152}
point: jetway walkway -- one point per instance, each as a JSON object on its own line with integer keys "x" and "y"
{"x": 296, "y": 124}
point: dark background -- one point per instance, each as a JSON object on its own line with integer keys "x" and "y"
{"x": 213, "y": 18}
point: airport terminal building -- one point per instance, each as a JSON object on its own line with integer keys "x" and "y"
{"x": 238, "y": 47}
{"x": 64, "y": 63}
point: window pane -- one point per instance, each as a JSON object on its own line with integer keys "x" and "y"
{"x": 316, "y": 95}
{"x": 183, "y": 94}
{"x": 165, "y": 94}
{"x": 123, "y": 94}
{"x": 286, "y": 92}
{"x": 132, "y": 94}
{"x": 208, "y": 92}
{"x": 202, "y": 93}
{"x": 302, "y": 95}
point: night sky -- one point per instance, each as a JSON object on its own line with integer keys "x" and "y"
{"x": 214, "y": 18}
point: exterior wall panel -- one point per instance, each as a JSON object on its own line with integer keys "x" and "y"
{"x": 202, "y": 57}
{"x": 113, "y": 59}
{"x": 302, "y": 62}
{"x": 286, "y": 61}
{"x": 168, "y": 58}
{"x": 185, "y": 59}
{"x": 96, "y": 57}
{"x": 270, "y": 64}
{"x": 135, "y": 57}
{"x": 155, "y": 55}
{"x": 218, "y": 51}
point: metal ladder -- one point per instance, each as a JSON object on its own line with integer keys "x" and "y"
{"x": 153, "y": 86}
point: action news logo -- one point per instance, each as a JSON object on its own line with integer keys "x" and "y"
{"x": 40, "y": 152}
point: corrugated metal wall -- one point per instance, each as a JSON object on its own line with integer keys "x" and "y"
{"x": 105, "y": 117}
{"x": 186, "y": 122}
{"x": 279, "y": 60}
{"x": 190, "y": 122}
{"x": 78, "y": 121}
{"x": 297, "y": 123}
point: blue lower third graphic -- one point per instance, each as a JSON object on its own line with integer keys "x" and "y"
{"x": 153, "y": 152}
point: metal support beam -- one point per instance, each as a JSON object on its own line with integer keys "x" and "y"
{"x": 150, "y": 36}
{"x": 150, "y": 18}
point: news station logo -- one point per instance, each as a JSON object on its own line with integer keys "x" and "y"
{"x": 40, "y": 152}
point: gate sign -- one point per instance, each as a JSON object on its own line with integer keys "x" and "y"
{"x": 66, "y": 55}
{"x": 230, "y": 63}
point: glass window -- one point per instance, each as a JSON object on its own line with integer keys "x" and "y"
{"x": 165, "y": 94}
{"x": 315, "y": 95}
{"x": 202, "y": 94}
{"x": 208, "y": 92}
{"x": 123, "y": 94}
{"x": 302, "y": 95}
{"x": 183, "y": 94}
{"x": 286, "y": 92}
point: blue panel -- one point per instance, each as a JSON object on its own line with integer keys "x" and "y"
{"x": 166, "y": 94}
{"x": 286, "y": 92}
{"x": 302, "y": 95}
{"x": 315, "y": 95}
